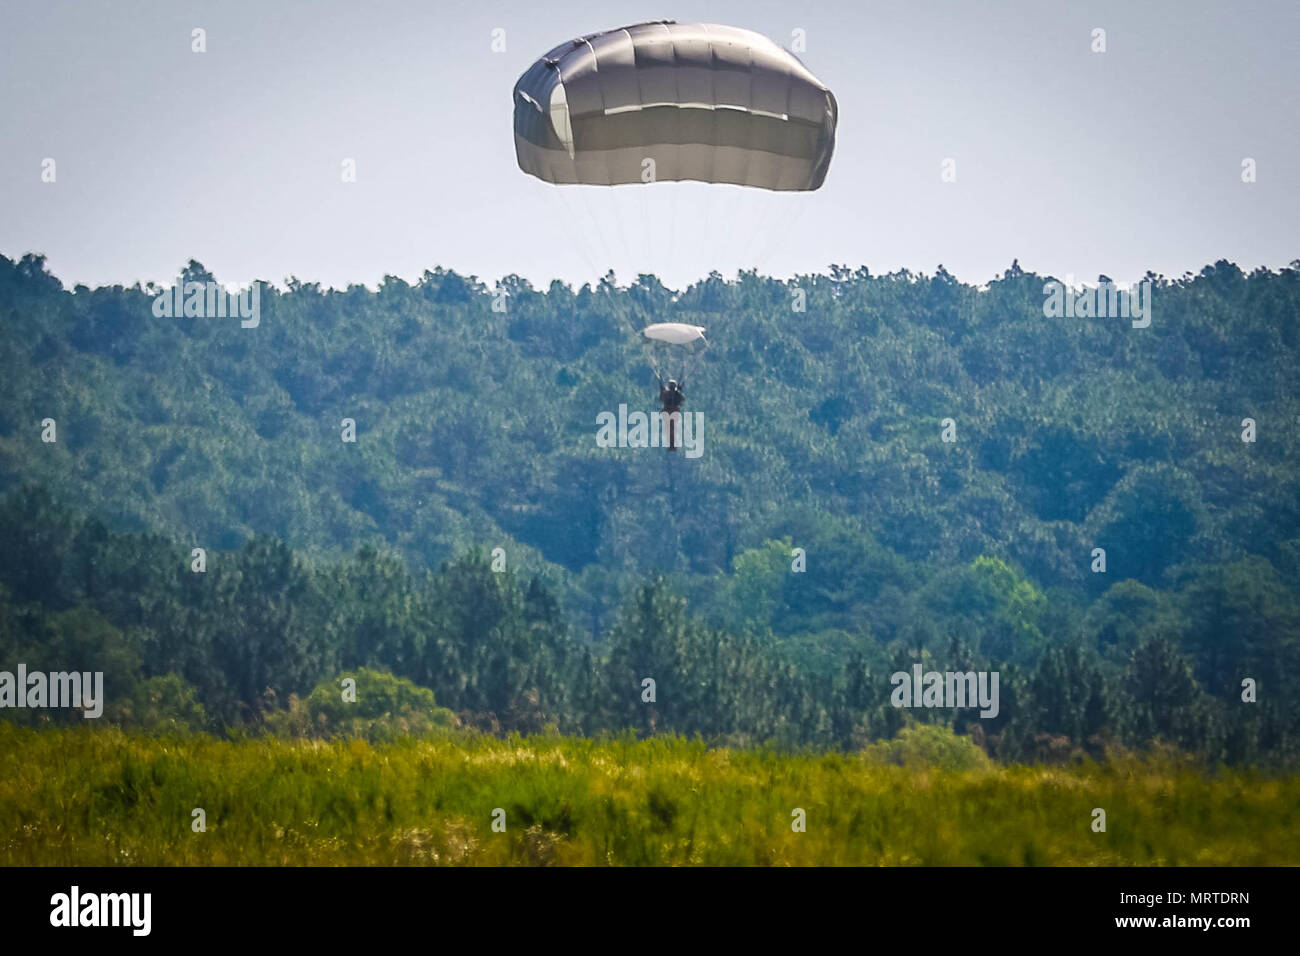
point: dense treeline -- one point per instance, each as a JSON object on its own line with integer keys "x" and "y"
{"x": 477, "y": 427}
{"x": 236, "y": 644}
{"x": 476, "y": 431}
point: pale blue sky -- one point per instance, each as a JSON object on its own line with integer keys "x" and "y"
{"x": 1075, "y": 163}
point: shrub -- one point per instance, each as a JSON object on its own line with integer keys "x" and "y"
{"x": 386, "y": 708}
{"x": 929, "y": 745}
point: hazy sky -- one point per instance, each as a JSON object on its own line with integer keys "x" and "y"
{"x": 1074, "y": 162}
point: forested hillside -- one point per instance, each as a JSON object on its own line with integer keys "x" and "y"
{"x": 476, "y": 430}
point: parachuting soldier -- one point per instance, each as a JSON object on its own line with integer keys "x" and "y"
{"x": 684, "y": 342}
{"x": 663, "y": 102}
{"x": 673, "y": 399}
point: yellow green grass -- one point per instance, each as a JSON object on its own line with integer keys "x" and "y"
{"x": 102, "y": 797}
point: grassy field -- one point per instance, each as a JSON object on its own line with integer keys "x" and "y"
{"x": 100, "y": 797}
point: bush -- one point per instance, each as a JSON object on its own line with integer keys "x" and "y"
{"x": 929, "y": 745}
{"x": 385, "y": 708}
{"x": 161, "y": 705}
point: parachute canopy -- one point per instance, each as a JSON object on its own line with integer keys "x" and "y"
{"x": 673, "y": 348}
{"x": 674, "y": 333}
{"x": 705, "y": 102}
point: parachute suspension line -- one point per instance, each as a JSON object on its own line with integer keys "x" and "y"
{"x": 647, "y": 235}
{"x": 672, "y": 231}
{"x": 629, "y": 253}
{"x": 732, "y": 217}
{"x": 690, "y": 360}
{"x": 575, "y": 231}
{"x": 775, "y": 230}
{"x": 654, "y": 365}
{"x": 765, "y": 220}
{"x": 758, "y": 232}
{"x": 595, "y": 238}
{"x": 781, "y": 238}
{"x": 744, "y": 235}
{"x": 688, "y": 366}
{"x": 740, "y": 214}
{"x": 578, "y": 233}
{"x": 705, "y": 230}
